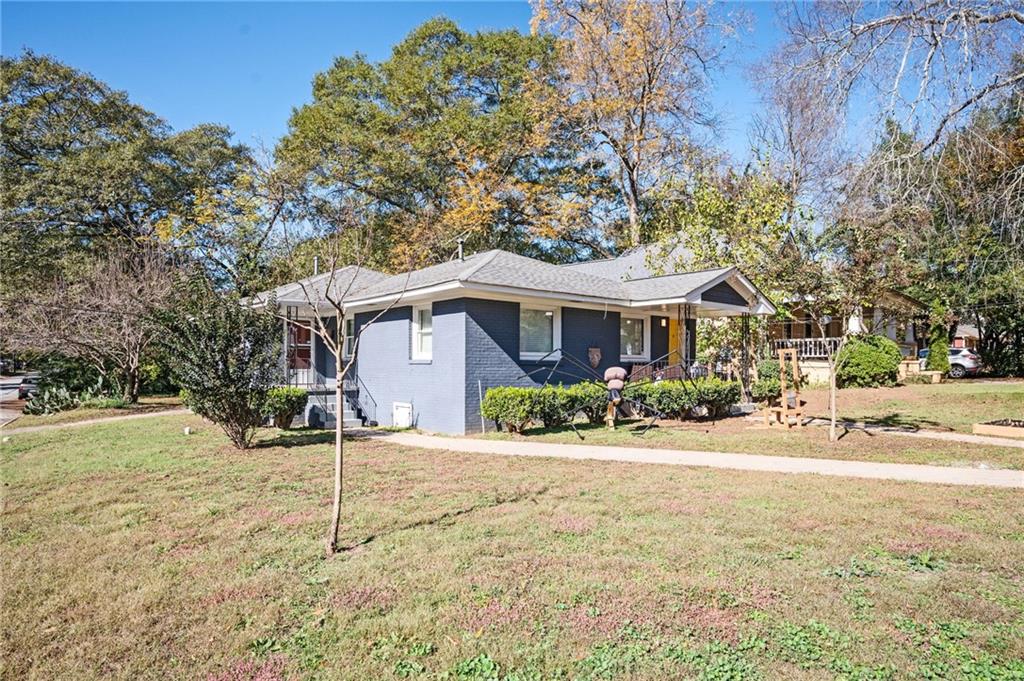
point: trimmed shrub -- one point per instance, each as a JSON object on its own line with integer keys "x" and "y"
{"x": 284, "y": 404}
{"x": 590, "y": 399}
{"x": 510, "y": 406}
{"x": 716, "y": 395}
{"x": 678, "y": 399}
{"x": 764, "y": 390}
{"x": 674, "y": 399}
{"x": 868, "y": 362}
{"x": 514, "y": 408}
{"x": 767, "y": 386}
{"x": 553, "y": 406}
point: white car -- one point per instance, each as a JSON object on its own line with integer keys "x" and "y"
{"x": 963, "y": 362}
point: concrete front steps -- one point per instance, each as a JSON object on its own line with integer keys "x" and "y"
{"x": 350, "y": 420}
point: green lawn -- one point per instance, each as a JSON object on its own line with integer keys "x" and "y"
{"x": 130, "y": 550}
{"x": 953, "y": 405}
{"x": 145, "y": 404}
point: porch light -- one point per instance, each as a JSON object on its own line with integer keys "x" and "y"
{"x": 664, "y": 322}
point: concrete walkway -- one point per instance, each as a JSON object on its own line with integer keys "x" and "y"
{"x": 748, "y": 462}
{"x": 92, "y": 422}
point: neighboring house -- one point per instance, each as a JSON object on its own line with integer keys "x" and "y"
{"x": 451, "y": 331}
{"x": 966, "y": 336}
{"x": 892, "y": 316}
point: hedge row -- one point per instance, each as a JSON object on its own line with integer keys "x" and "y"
{"x": 516, "y": 408}
{"x": 679, "y": 399}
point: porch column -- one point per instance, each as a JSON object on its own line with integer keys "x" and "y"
{"x": 688, "y": 341}
{"x": 745, "y": 375}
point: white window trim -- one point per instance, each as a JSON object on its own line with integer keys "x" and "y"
{"x": 346, "y": 351}
{"x": 413, "y": 354}
{"x": 556, "y": 333}
{"x": 646, "y": 319}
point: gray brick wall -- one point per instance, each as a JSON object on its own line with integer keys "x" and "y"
{"x": 492, "y": 349}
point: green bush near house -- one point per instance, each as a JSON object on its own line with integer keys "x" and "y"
{"x": 284, "y": 404}
{"x": 674, "y": 399}
{"x": 715, "y": 395}
{"x": 767, "y": 386}
{"x": 555, "y": 405}
{"x": 678, "y": 399}
{"x": 510, "y": 406}
{"x": 588, "y": 398}
{"x": 868, "y": 362}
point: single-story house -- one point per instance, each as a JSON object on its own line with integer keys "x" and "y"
{"x": 894, "y": 315}
{"x": 432, "y": 341}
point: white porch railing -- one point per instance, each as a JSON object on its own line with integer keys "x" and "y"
{"x": 807, "y": 348}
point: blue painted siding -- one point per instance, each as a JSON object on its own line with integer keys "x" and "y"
{"x": 724, "y": 293}
{"x": 435, "y": 388}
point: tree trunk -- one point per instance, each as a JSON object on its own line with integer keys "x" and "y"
{"x": 339, "y": 432}
{"x": 634, "y": 221}
{"x": 130, "y": 387}
{"x": 832, "y": 400}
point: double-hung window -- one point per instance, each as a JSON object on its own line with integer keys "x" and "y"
{"x": 422, "y": 333}
{"x": 634, "y": 338}
{"x": 350, "y": 336}
{"x": 539, "y": 332}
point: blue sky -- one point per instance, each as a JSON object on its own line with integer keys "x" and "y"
{"x": 246, "y": 65}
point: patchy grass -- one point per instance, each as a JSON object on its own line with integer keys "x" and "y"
{"x": 746, "y": 437}
{"x": 145, "y": 404}
{"x": 954, "y": 405}
{"x": 130, "y": 550}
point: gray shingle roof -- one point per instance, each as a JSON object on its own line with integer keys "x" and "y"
{"x": 624, "y": 280}
{"x": 350, "y": 279}
{"x": 671, "y": 285}
{"x": 498, "y": 268}
{"x": 638, "y": 263}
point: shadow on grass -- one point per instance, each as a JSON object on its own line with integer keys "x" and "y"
{"x": 304, "y": 437}
{"x": 903, "y": 422}
{"x": 523, "y": 495}
{"x": 583, "y": 428}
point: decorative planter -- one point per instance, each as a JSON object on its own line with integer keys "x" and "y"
{"x": 1001, "y": 428}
